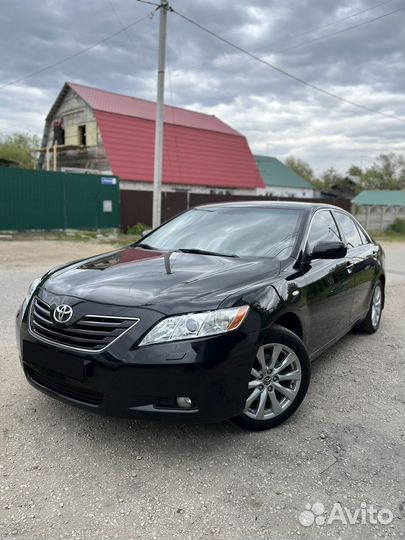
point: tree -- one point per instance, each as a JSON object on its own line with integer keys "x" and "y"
{"x": 387, "y": 172}
{"x": 331, "y": 181}
{"x": 331, "y": 177}
{"x": 20, "y": 147}
{"x": 355, "y": 171}
{"x": 301, "y": 167}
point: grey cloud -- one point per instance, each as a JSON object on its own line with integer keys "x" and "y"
{"x": 276, "y": 113}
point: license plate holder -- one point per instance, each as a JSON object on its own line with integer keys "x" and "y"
{"x": 56, "y": 361}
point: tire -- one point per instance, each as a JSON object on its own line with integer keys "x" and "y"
{"x": 282, "y": 361}
{"x": 373, "y": 318}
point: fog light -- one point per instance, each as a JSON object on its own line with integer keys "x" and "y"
{"x": 184, "y": 402}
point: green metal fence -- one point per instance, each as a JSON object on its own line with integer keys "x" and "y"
{"x": 40, "y": 200}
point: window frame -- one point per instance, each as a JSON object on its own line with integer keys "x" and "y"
{"x": 330, "y": 210}
{"x": 342, "y": 233}
{"x": 363, "y": 230}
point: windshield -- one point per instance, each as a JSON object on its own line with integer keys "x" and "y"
{"x": 233, "y": 231}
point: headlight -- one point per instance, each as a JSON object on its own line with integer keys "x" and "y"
{"x": 31, "y": 290}
{"x": 195, "y": 325}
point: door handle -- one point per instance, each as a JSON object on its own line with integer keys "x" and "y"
{"x": 349, "y": 266}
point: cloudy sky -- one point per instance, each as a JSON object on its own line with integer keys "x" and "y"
{"x": 363, "y": 61}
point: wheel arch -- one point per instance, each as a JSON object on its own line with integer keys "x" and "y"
{"x": 292, "y": 322}
{"x": 382, "y": 279}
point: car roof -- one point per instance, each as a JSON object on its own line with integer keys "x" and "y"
{"x": 308, "y": 206}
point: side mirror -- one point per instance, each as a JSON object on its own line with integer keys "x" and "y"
{"x": 329, "y": 250}
{"x": 145, "y": 232}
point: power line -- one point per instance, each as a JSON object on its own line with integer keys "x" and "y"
{"x": 76, "y": 54}
{"x": 337, "y": 21}
{"x": 308, "y": 42}
{"x": 286, "y": 73}
{"x": 150, "y": 3}
{"x": 315, "y": 28}
{"x": 121, "y": 24}
{"x": 339, "y": 31}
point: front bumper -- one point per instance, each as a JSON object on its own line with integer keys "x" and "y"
{"x": 144, "y": 382}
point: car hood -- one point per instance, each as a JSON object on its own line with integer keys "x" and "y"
{"x": 168, "y": 282}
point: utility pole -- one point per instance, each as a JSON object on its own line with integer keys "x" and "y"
{"x": 158, "y": 163}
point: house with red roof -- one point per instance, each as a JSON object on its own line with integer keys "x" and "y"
{"x": 94, "y": 131}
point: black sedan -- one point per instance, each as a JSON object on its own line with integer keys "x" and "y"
{"x": 214, "y": 315}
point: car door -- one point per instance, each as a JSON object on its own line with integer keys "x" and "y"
{"x": 327, "y": 286}
{"x": 361, "y": 260}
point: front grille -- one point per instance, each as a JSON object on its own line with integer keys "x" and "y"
{"x": 78, "y": 393}
{"x": 89, "y": 333}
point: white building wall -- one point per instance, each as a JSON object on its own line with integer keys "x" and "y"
{"x": 299, "y": 193}
{"x": 272, "y": 191}
{"x": 148, "y": 186}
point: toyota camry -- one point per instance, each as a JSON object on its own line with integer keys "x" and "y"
{"x": 216, "y": 314}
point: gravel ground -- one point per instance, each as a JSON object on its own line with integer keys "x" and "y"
{"x": 66, "y": 473}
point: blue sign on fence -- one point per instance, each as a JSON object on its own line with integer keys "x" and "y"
{"x": 108, "y": 181}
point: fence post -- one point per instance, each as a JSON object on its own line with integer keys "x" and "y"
{"x": 47, "y": 158}
{"x": 367, "y": 216}
{"x": 382, "y": 218}
{"x": 54, "y": 157}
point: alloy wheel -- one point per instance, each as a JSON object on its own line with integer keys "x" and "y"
{"x": 274, "y": 381}
{"x": 376, "y": 306}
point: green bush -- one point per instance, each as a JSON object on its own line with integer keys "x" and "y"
{"x": 137, "y": 229}
{"x": 398, "y": 226}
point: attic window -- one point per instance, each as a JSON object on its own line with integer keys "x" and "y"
{"x": 82, "y": 135}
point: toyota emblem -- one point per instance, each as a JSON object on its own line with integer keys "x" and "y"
{"x": 63, "y": 313}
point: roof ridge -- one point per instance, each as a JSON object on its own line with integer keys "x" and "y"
{"x": 144, "y": 99}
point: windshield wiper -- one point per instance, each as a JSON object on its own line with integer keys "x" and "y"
{"x": 204, "y": 252}
{"x": 144, "y": 246}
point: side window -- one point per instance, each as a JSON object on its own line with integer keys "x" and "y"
{"x": 365, "y": 239}
{"x": 349, "y": 229}
{"x": 323, "y": 229}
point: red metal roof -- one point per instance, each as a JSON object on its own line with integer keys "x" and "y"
{"x": 199, "y": 149}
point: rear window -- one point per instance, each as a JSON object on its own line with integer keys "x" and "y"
{"x": 364, "y": 237}
{"x": 349, "y": 229}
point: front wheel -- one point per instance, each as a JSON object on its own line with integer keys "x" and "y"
{"x": 278, "y": 381}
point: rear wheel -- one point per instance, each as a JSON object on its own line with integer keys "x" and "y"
{"x": 278, "y": 381}
{"x": 373, "y": 317}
